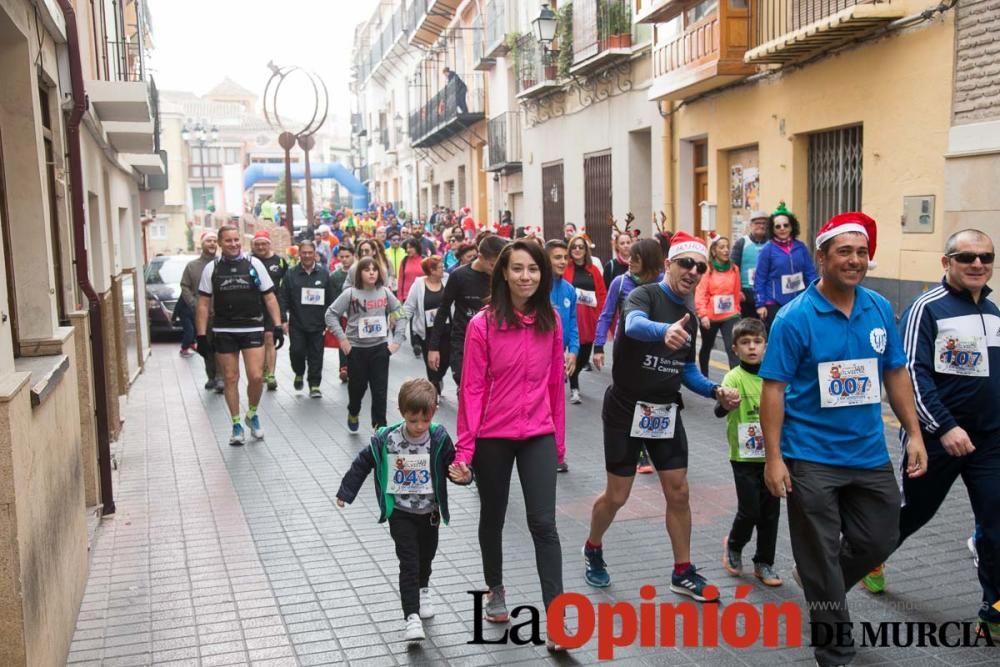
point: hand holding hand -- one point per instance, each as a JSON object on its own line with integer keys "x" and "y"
{"x": 677, "y": 336}
{"x": 729, "y": 398}
{"x": 459, "y": 473}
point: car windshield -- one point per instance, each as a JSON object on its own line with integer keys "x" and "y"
{"x": 167, "y": 271}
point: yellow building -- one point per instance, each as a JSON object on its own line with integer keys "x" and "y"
{"x": 830, "y": 107}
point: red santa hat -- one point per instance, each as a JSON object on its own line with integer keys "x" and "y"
{"x": 682, "y": 242}
{"x": 713, "y": 237}
{"x": 261, "y": 234}
{"x": 209, "y": 234}
{"x": 855, "y": 221}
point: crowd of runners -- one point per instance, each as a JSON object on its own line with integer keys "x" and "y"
{"x": 515, "y": 318}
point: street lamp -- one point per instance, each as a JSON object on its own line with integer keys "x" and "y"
{"x": 200, "y": 136}
{"x": 545, "y": 25}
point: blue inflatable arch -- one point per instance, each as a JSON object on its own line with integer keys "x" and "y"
{"x": 274, "y": 172}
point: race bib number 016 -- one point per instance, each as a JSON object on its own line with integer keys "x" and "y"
{"x": 961, "y": 355}
{"x": 751, "y": 438}
{"x": 655, "y": 421}
{"x": 372, "y": 327}
{"x": 410, "y": 473}
{"x": 851, "y": 382}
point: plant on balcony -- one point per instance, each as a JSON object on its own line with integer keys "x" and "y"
{"x": 513, "y": 42}
{"x": 564, "y": 35}
{"x": 617, "y": 23}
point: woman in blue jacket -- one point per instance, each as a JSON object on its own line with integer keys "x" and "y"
{"x": 784, "y": 266}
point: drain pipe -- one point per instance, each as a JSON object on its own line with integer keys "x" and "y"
{"x": 81, "y": 261}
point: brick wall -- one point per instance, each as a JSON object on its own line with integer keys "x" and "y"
{"x": 977, "y": 62}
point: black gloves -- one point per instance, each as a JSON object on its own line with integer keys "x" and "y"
{"x": 204, "y": 347}
{"x": 279, "y": 337}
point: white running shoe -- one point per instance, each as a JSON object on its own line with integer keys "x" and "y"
{"x": 574, "y": 397}
{"x": 971, "y": 543}
{"x": 426, "y": 603}
{"x": 414, "y": 629}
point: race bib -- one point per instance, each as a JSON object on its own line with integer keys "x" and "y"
{"x": 372, "y": 326}
{"x": 792, "y": 283}
{"x": 313, "y": 296}
{"x": 750, "y": 275}
{"x": 429, "y": 316}
{"x": 846, "y": 383}
{"x": 410, "y": 473}
{"x": 654, "y": 421}
{"x": 723, "y": 303}
{"x": 961, "y": 355}
{"x": 586, "y": 297}
{"x": 751, "y": 438}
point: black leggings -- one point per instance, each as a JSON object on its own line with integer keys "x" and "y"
{"x": 368, "y": 367}
{"x": 581, "y": 361}
{"x": 708, "y": 342}
{"x": 536, "y": 466}
{"x": 437, "y": 376}
{"x": 416, "y": 539}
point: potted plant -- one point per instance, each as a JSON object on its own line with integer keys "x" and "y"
{"x": 564, "y": 35}
{"x": 551, "y": 65}
{"x": 618, "y": 24}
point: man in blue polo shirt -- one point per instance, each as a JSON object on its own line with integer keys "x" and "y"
{"x": 831, "y": 349}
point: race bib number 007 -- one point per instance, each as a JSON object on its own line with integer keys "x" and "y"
{"x": 410, "y": 473}
{"x": 961, "y": 355}
{"x": 655, "y": 421}
{"x": 846, "y": 383}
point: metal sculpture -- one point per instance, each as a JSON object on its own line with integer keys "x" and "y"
{"x": 291, "y": 135}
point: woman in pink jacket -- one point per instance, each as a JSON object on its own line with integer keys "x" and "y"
{"x": 511, "y": 410}
{"x": 717, "y": 302}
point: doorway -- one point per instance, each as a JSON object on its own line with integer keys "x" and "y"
{"x": 553, "y": 202}
{"x": 597, "y": 205}
{"x": 700, "y": 182}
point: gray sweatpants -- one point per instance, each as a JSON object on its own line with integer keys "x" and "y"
{"x": 843, "y": 522}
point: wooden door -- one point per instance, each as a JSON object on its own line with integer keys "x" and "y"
{"x": 597, "y": 203}
{"x": 700, "y": 195}
{"x": 553, "y": 202}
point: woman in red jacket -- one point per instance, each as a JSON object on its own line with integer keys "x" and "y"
{"x": 717, "y": 302}
{"x": 409, "y": 268}
{"x": 511, "y": 410}
{"x": 582, "y": 274}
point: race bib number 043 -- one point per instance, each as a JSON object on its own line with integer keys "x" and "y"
{"x": 410, "y": 473}
{"x": 851, "y": 382}
{"x": 961, "y": 355}
{"x": 655, "y": 421}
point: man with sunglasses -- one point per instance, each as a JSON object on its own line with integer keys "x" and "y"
{"x": 951, "y": 336}
{"x": 654, "y": 353}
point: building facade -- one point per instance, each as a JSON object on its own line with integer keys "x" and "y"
{"x": 80, "y": 172}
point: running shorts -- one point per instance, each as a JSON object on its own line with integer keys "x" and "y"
{"x": 621, "y": 450}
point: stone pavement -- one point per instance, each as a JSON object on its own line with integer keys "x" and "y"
{"x": 223, "y": 555}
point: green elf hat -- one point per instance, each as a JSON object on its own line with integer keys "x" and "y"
{"x": 781, "y": 210}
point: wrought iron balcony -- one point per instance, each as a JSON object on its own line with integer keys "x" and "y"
{"x": 427, "y": 19}
{"x": 503, "y": 135}
{"x": 602, "y": 33}
{"x": 451, "y": 110}
{"x": 536, "y": 67}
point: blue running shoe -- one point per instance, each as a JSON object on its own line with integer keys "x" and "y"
{"x": 352, "y": 423}
{"x": 597, "y": 571}
{"x": 692, "y": 584}
{"x": 253, "y": 423}
{"x": 237, "y": 439}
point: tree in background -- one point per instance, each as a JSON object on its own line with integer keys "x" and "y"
{"x": 279, "y": 193}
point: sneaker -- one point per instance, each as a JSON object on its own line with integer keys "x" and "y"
{"x": 426, "y": 603}
{"x": 874, "y": 581}
{"x": 971, "y": 543}
{"x": 553, "y": 647}
{"x": 732, "y": 560}
{"x": 562, "y": 467}
{"x": 272, "y": 382}
{"x": 314, "y": 392}
{"x": 597, "y": 570}
{"x": 574, "y": 397}
{"x": 187, "y": 352}
{"x": 256, "y": 430}
{"x": 414, "y": 629}
{"x": 496, "y": 605}
{"x": 767, "y": 575}
{"x": 237, "y": 439}
{"x": 297, "y": 383}
{"x": 343, "y": 373}
{"x": 691, "y": 584}
{"x": 220, "y": 386}
{"x": 353, "y": 423}
{"x": 644, "y": 467}
{"x": 983, "y": 626}
{"x": 210, "y": 384}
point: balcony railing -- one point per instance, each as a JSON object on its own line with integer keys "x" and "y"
{"x": 698, "y": 43}
{"x": 125, "y": 61}
{"x": 600, "y": 25}
{"x": 450, "y": 106}
{"x": 535, "y": 65}
{"x": 504, "y": 138}
{"x": 773, "y": 19}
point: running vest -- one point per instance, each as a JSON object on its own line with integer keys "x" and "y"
{"x": 748, "y": 262}
{"x": 236, "y": 294}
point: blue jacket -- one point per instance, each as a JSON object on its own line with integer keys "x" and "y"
{"x": 563, "y": 297}
{"x": 772, "y": 264}
{"x": 945, "y": 399}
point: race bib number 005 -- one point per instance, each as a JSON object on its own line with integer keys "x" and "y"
{"x": 410, "y": 473}
{"x": 655, "y": 421}
{"x": 851, "y": 382}
{"x": 961, "y": 355}
{"x": 751, "y": 438}
{"x": 372, "y": 327}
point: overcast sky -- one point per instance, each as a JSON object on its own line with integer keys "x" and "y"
{"x": 198, "y": 42}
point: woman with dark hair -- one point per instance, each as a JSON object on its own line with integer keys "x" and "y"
{"x": 588, "y": 282}
{"x": 618, "y": 265}
{"x": 420, "y": 309}
{"x": 717, "y": 302}
{"x": 784, "y": 266}
{"x": 511, "y": 411}
{"x": 372, "y": 248}
{"x": 409, "y": 268}
{"x": 372, "y": 310}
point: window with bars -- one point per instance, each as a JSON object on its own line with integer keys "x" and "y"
{"x": 835, "y": 174}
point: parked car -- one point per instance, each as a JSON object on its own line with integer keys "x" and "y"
{"x": 163, "y": 289}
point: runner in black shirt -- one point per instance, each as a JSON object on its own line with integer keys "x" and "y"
{"x": 465, "y": 291}
{"x": 276, "y": 267}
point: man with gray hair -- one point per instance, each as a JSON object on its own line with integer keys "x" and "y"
{"x": 951, "y": 337}
{"x": 744, "y": 255}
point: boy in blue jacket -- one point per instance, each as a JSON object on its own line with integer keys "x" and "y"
{"x": 411, "y": 461}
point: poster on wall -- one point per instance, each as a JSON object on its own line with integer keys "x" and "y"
{"x": 751, "y": 188}
{"x": 736, "y": 186}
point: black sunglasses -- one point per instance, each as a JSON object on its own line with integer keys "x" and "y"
{"x": 970, "y": 257}
{"x": 687, "y": 264}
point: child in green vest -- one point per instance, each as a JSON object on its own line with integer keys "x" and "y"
{"x": 756, "y": 507}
